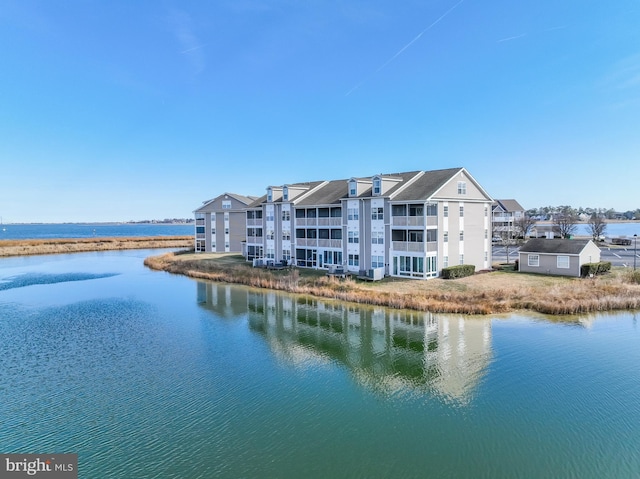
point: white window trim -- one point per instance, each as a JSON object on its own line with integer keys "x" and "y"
{"x": 531, "y": 262}
{"x": 568, "y": 263}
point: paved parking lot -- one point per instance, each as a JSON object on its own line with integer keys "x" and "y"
{"x": 619, "y": 255}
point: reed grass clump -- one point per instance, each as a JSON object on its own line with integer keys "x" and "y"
{"x": 79, "y": 245}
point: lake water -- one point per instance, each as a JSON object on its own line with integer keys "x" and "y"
{"x": 90, "y": 230}
{"x": 150, "y": 375}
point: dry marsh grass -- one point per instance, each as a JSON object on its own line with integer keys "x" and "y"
{"x": 496, "y": 292}
{"x": 77, "y": 245}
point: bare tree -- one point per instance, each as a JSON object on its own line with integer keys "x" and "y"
{"x": 523, "y": 225}
{"x": 507, "y": 240}
{"x": 597, "y": 226}
{"x": 565, "y": 221}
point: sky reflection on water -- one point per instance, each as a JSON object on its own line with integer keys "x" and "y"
{"x": 147, "y": 374}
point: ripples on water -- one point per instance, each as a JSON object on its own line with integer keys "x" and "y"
{"x": 30, "y": 279}
{"x": 146, "y": 374}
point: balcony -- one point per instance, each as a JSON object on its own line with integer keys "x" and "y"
{"x": 254, "y": 222}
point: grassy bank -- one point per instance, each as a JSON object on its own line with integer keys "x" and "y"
{"x": 495, "y": 292}
{"x": 78, "y": 245}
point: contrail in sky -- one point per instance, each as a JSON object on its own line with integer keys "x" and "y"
{"x": 399, "y": 52}
{"x": 193, "y": 48}
{"x": 511, "y": 38}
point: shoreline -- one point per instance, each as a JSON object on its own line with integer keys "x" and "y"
{"x": 494, "y": 292}
{"x": 29, "y": 247}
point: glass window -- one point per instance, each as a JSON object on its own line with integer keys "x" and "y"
{"x": 377, "y": 213}
{"x": 416, "y": 236}
{"x": 416, "y": 210}
{"x": 432, "y": 209}
{"x": 461, "y": 211}
{"x": 353, "y": 191}
{"x": 533, "y": 260}
{"x": 563, "y": 262}
{"x": 399, "y": 210}
{"x": 445, "y": 211}
{"x": 377, "y": 186}
{"x": 462, "y": 187}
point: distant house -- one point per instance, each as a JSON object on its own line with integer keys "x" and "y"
{"x": 221, "y": 224}
{"x": 560, "y": 257}
{"x": 504, "y": 215}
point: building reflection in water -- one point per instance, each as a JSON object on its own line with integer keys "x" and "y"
{"x": 389, "y": 351}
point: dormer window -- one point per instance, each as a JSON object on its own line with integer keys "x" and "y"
{"x": 285, "y": 193}
{"x": 353, "y": 190}
{"x": 377, "y": 186}
{"x": 269, "y": 195}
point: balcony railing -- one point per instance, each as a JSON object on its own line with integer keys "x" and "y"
{"x": 254, "y": 222}
{"x": 330, "y": 243}
{"x": 255, "y": 239}
{"x": 306, "y": 242}
{"x": 408, "y": 246}
{"x": 414, "y": 246}
{"x": 408, "y": 220}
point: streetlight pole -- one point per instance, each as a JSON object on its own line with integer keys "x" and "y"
{"x": 635, "y": 242}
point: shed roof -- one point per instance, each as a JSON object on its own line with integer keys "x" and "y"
{"x": 554, "y": 246}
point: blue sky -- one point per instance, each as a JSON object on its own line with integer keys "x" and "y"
{"x": 127, "y": 110}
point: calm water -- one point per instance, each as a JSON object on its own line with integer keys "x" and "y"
{"x": 76, "y": 230}
{"x": 614, "y": 230}
{"x": 149, "y": 375}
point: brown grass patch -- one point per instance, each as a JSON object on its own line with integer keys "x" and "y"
{"x": 77, "y": 245}
{"x": 496, "y": 292}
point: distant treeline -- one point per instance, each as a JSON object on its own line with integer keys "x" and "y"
{"x": 545, "y": 212}
{"x": 170, "y": 221}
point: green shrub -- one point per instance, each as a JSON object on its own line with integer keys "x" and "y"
{"x": 594, "y": 269}
{"x": 458, "y": 271}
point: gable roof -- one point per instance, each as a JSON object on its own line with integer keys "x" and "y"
{"x": 425, "y": 185}
{"x": 245, "y": 200}
{"x": 410, "y": 186}
{"x": 327, "y": 194}
{"x": 555, "y": 246}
